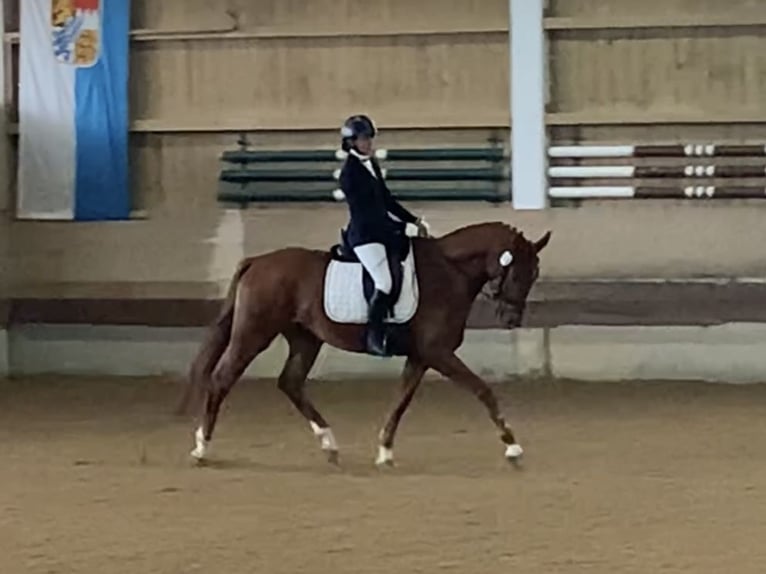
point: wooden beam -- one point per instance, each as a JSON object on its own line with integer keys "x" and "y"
{"x": 209, "y": 34}
{"x": 318, "y": 122}
{"x": 551, "y": 23}
{"x": 733, "y": 19}
{"x": 482, "y": 120}
{"x": 552, "y": 303}
{"x": 601, "y": 118}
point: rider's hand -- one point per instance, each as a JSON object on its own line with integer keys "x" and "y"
{"x": 424, "y": 230}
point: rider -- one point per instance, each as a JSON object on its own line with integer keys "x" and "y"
{"x": 377, "y": 222}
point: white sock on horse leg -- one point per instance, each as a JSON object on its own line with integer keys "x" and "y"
{"x": 385, "y": 455}
{"x": 201, "y": 444}
{"x": 325, "y": 435}
{"x": 513, "y": 451}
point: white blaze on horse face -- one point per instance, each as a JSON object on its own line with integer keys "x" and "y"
{"x": 506, "y": 258}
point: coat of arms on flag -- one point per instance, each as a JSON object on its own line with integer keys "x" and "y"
{"x": 76, "y": 28}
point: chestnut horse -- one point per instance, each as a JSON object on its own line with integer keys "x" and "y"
{"x": 281, "y": 292}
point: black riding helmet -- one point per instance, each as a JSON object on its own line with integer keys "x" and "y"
{"x": 354, "y": 127}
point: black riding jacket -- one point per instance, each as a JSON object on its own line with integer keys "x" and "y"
{"x": 371, "y": 205}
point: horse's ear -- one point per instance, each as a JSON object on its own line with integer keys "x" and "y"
{"x": 542, "y": 242}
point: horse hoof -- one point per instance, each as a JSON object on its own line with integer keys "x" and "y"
{"x": 513, "y": 453}
{"x": 385, "y": 457}
{"x": 200, "y": 447}
{"x": 197, "y": 457}
{"x": 333, "y": 457}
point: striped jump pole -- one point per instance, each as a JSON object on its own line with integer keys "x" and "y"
{"x": 678, "y": 150}
{"x": 645, "y": 192}
{"x": 699, "y": 170}
{"x": 619, "y": 171}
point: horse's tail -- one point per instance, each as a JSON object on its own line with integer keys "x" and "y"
{"x": 213, "y": 346}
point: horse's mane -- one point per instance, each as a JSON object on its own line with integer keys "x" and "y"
{"x": 473, "y": 239}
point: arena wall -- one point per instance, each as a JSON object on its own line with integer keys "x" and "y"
{"x": 287, "y": 72}
{"x": 729, "y": 353}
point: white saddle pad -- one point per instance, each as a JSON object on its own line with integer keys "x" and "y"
{"x": 344, "y": 300}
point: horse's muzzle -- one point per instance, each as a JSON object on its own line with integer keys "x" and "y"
{"x": 515, "y": 319}
{"x": 510, "y": 316}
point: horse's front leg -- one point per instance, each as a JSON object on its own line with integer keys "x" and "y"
{"x": 452, "y": 367}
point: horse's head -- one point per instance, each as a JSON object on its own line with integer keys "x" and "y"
{"x": 499, "y": 258}
{"x": 513, "y": 265}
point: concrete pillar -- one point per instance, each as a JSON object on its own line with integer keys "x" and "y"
{"x": 528, "y": 95}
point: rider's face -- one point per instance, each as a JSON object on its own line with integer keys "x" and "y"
{"x": 364, "y": 145}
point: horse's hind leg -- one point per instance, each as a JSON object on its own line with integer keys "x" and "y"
{"x": 452, "y": 367}
{"x": 411, "y": 377}
{"x": 304, "y": 348}
{"x": 233, "y": 362}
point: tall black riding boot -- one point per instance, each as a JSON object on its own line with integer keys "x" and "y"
{"x": 376, "y": 334}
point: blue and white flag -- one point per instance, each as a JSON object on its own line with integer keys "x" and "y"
{"x": 73, "y": 110}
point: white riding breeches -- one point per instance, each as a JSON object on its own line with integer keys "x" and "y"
{"x": 373, "y": 257}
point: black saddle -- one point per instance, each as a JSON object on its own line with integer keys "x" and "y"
{"x": 396, "y": 256}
